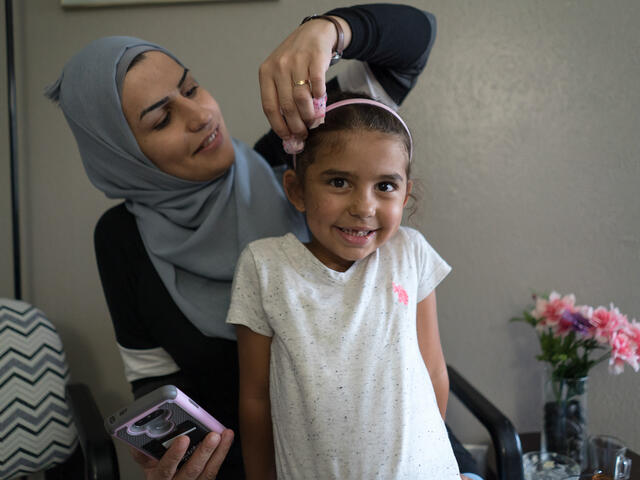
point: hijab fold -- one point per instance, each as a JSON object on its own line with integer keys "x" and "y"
{"x": 193, "y": 231}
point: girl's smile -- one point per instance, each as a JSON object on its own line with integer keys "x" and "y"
{"x": 353, "y": 196}
{"x": 357, "y": 236}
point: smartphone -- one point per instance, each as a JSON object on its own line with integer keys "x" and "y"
{"x": 152, "y": 422}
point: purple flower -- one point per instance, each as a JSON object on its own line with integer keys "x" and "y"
{"x": 574, "y": 321}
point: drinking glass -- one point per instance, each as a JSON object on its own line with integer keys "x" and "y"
{"x": 607, "y": 454}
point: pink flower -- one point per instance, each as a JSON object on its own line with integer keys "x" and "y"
{"x": 634, "y": 331}
{"x": 549, "y": 312}
{"x": 607, "y": 322}
{"x": 403, "y": 297}
{"x": 623, "y": 350}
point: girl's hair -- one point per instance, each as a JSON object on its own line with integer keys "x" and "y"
{"x": 350, "y": 118}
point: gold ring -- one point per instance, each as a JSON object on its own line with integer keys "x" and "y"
{"x": 302, "y": 83}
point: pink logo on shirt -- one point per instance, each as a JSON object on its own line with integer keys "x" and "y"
{"x": 403, "y": 297}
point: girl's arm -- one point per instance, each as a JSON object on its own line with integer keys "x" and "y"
{"x": 255, "y": 408}
{"x": 431, "y": 350}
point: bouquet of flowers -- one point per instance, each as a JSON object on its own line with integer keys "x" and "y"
{"x": 574, "y": 338}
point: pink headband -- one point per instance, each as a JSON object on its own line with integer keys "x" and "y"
{"x": 350, "y": 101}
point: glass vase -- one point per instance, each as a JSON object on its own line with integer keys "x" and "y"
{"x": 564, "y": 420}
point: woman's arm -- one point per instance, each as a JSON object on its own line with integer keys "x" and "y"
{"x": 119, "y": 252}
{"x": 393, "y": 40}
{"x": 254, "y": 351}
{"x": 121, "y": 257}
{"x": 431, "y": 350}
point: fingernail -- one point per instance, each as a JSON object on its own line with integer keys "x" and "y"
{"x": 214, "y": 439}
{"x": 320, "y": 105}
{"x": 319, "y": 109}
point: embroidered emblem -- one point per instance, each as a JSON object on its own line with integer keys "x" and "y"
{"x": 403, "y": 297}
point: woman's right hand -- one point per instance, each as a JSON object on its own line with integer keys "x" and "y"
{"x": 203, "y": 464}
{"x": 303, "y": 55}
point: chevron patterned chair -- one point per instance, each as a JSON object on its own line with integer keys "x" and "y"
{"x": 46, "y": 423}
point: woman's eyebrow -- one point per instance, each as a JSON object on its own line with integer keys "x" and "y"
{"x": 184, "y": 75}
{"x": 161, "y": 102}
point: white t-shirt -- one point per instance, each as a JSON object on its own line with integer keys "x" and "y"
{"x": 350, "y": 395}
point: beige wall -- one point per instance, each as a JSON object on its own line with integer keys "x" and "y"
{"x": 526, "y": 127}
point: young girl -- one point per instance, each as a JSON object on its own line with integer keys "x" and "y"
{"x": 342, "y": 374}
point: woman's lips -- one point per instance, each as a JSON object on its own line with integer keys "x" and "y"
{"x": 210, "y": 142}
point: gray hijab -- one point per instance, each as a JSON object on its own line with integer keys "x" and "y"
{"x": 192, "y": 231}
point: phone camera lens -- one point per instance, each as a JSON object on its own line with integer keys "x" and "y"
{"x": 148, "y": 418}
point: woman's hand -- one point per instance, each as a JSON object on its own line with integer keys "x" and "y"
{"x": 303, "y": 55}
{"x": 203, "y": 464}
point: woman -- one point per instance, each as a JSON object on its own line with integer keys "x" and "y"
{"x": 194, "y": 196}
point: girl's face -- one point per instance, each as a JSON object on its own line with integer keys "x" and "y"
{"x": 353, "y": 196}
{"x": 177, "y": 124}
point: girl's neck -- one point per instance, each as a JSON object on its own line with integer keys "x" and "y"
{"x": 328, "y": 258}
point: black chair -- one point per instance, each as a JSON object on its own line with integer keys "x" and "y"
{"x": 46, "y": 423}
{"x": 505, "y": 439}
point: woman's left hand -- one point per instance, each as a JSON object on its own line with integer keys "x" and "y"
{"x": 203, "y": 464}
{"x": 303, "y": 55}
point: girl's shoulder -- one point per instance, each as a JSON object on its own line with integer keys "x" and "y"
{"x": 267, "y": 244}
{"x": 267, "y": 251}
{"x": 410, "y": 231}
{"x": 411, "y": 242}
{"x": 409, "y": 236}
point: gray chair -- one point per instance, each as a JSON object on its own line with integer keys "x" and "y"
{"x": 46, "y": 423}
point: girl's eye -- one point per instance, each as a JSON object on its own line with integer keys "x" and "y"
{"x": 192, "y": 91}
{"x": 386, "y": 187}
{"x": 163, "y": 123}
{"x": 338, "y": 182}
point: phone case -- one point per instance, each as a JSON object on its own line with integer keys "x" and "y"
{"x": 152, "y": 422}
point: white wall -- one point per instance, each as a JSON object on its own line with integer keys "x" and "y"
{"x": 526, "y": 126}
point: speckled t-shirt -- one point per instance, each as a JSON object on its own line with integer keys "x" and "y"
{"x": 351, "y": 397}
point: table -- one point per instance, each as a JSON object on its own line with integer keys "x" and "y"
{"x": 531, "y": 441}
